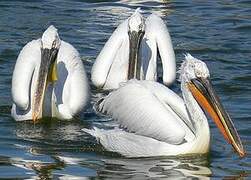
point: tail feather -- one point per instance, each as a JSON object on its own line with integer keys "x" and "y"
{"x": 95, "y": 132}
{"x": 127, "y": 144}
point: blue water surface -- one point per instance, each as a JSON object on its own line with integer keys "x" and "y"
{"x": 219, "y": 32}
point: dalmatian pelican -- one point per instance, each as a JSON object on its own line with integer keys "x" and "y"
{"x": 49, "y": 80}
{"x": 134, "y": 47}
{"x": 155, "y": 121}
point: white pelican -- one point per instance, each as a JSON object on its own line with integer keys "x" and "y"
{"x": 49, "y": 80}
{"x": 135, "y": 41}
{"x": 155, "y": 121}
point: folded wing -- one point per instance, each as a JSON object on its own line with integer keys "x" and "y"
{"x": 139, "y": 109}
{"x": 27, "y": 60}
{"x": 71, "y": 89}
{"x": 157, "y": 39}
{"x": 114, "y": 53}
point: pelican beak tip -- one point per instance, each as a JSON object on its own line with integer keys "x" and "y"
{"x": 34, "y": 117}
{"x": 203, "y": 92}
{"x": 241, "y": 153}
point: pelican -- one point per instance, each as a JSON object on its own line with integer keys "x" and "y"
{"x": 134, "y": 47}
{"x": 49, "y": 80}
{"x": 154, "y": 121}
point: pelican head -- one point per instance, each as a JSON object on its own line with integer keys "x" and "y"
{"x": 195, "y": 75}
{"x": 50, "y": 44}
{"x": 136, "y": 31}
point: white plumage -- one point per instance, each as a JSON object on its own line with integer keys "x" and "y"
{"x": 152, "y": 117}
{"x": 64, "y": 98}
{"x": 111, "y": 65}
{"x": 136, "y": 104}
{"x": 154, "y": 121}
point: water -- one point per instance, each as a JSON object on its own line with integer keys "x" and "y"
{"x": 217, "y": 32}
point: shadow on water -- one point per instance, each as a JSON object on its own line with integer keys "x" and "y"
{"x": 142, "y": 168}
{"x": 42, "y": 142}
{"x": 155, "y": 168}
{"x": 59, "y": 149}
{"x": 53, "y": 133}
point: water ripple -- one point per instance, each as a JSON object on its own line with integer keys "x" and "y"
{"x": 216, "y": 31}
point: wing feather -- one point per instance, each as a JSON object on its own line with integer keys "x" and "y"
{"x": 106, "y": 57}
{"x": 134, "y": 145}
{"x": 159, "y": 37}
{"x": 27, "y": 60}
{"x": 139, "y": 110}
{"x": 127, "y": 144}
{"x": 71, "y": 89}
